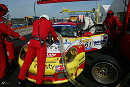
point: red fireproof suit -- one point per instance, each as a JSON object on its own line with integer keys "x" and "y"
{"x": 4, "y": 30}
{"x": 112, "y": 22}
{"x": 35, "y": 49}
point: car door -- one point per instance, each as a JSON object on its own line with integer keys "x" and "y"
{"x": 94, "y": 42}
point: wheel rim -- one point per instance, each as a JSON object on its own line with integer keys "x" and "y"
{"x": 105, "y": 73}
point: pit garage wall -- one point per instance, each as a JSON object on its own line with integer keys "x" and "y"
{"x": 119, "y": 7}
{"x": 121, "y": 16}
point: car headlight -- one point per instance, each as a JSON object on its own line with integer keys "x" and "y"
{"x": 23, "y": 52}
{"x": 71, "y": 54}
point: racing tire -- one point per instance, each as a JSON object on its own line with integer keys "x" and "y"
{"x": 108, "y": 74}
{"x": 103, "y": 69}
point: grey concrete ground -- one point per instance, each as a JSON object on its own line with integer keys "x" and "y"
{"x": 24, "y": 31}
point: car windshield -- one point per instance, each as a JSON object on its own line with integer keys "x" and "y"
{"x": 66, "y": 30}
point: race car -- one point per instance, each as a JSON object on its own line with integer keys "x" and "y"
{"x": 65, "y": 59}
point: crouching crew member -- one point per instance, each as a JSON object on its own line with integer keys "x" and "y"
{"x": 4, "y": 31}
{"x": 37, "y": 47}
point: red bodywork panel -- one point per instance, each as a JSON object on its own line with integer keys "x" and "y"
{"x": 125, "y": 45}
{"x": 125, "y": 40}
{"x": 57, "y": 1}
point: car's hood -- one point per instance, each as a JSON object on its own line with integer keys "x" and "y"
{"x": 54, "y": 50}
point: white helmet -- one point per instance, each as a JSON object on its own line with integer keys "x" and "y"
{"x": 45, "y": 16}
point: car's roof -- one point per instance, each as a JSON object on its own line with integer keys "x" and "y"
{"x": 64, "y": 23}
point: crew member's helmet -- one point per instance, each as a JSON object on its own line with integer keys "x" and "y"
{"x": 110, "y": 12}
{"x": 3, "y": 10}
{"x": 44, "y": 16}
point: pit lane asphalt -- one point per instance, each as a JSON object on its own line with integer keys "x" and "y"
{"x": 13, "y": 74}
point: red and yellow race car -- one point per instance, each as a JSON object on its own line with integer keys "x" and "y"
{"x": 66, "y": 59}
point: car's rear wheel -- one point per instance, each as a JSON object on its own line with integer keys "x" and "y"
{"x": 101, "y": 70}
{"x": 104, "y": 69}
{"x": 104, "y": 72}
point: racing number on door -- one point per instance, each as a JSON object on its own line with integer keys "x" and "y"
{"x": 89, "y": 44}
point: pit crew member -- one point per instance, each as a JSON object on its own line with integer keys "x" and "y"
{"x": 4, "y": 31}
{"x": 37, "y": 47}
{"x": 112, "y": 22}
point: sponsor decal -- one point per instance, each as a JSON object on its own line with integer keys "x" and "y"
{"x": 82, "y": 62}
{"x": 63, "y": 25}
{"x": 81, "y": 58}
{"x": 59, "y": 68}
{"x": 57, "y": 43}
{"x": 51, "y": 62}
{"x": 67, "y": 43}
{"x": 89, "y": 48}
{"x": 86, "y": 40}
{"x": 35, "y": 66}
{"x": 56, "y": 59}
{"x": 53, "y": 54}
{"x": 53, "y": 48}
{"x": 49, "y": 66}
{"x": 88, "y": 43}
{"x": 100, "y": 42}
{"x": 73, "y": 68}
{"x": 80, "y": 46}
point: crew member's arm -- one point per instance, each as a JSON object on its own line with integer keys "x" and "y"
{"x": 119, "y": 24}
{"x": 5, "y": 29}
{"x": 105, "y": 23}
{"x": 53, "y": 33}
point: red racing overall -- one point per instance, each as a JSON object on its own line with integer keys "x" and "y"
{"x": 41, "y": 27}
{"x": 4, "y": 30}
{"x": 112, "y": 32}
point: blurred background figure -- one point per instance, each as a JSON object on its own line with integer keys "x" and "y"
{"x": 10, "y": 23}
{"x": 88, "y": 23}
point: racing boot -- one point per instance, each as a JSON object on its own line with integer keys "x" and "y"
{"x": 3, "y": 82}
{"x": 21, "y": 83}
